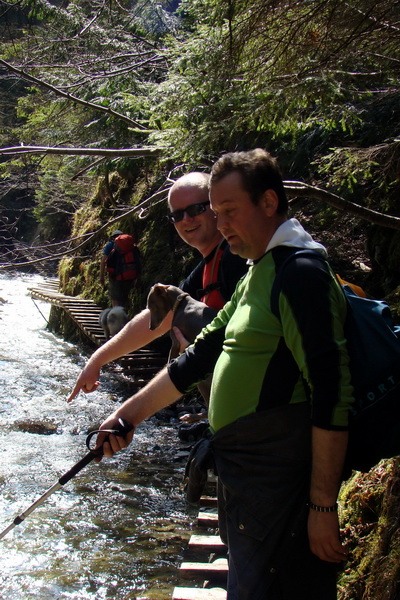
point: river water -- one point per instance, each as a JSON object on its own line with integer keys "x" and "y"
{"x": 118, "y": 529}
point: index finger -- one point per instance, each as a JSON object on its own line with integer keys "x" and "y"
{"x": 74, "y": 393}
{"x": 78, "y": 387}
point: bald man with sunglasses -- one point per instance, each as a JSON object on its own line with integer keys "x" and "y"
{"x": 212, "y": 281}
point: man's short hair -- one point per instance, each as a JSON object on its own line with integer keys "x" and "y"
{"x": 259, "y": 171}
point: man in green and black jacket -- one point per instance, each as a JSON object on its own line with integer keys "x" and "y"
{"x": 280, "y": 397}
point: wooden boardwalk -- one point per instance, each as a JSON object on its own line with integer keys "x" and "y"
{"x": 205, "y": 568}
{"x": 140, "y": 365}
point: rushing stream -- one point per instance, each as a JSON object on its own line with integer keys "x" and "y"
{"x": 118, "y": 529}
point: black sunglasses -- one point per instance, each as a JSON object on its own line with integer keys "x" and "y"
{"x": 193, "y": 210}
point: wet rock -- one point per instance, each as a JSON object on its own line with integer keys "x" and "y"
{"x": 193, "y": 431}
{"x": 38, "y": 427}
{"x": 181, "y": 456}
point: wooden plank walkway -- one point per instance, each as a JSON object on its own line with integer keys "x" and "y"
{"x": 207, "y": 565}
{"x": 140, "y": 365}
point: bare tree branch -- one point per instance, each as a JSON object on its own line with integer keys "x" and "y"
{"x": 107, "y": 152}
{"x": 71, "y": 97}
{"x": 141, "y": 209}
{"x": 296, "y": 188}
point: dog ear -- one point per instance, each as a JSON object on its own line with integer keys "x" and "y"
{"x": 160, "y": 288}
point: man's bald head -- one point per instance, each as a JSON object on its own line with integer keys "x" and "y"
{"x": 195, "y": 180}
{"x": 188, "y": 200}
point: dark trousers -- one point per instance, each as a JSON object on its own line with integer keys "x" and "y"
{"x": 263, "y": 463}
{"x": 299, "y": 576}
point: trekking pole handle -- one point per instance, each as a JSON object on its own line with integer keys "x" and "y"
{"x": 121, "y": 429}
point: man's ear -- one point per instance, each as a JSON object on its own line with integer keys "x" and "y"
{"x": 270, "y": 202}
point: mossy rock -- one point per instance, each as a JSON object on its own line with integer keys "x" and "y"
{"x": 370, "y": 522}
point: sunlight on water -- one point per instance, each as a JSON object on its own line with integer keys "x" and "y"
{"x": 117, "y": 530}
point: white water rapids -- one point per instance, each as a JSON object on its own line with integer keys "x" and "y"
{"x": 118, "y": 529}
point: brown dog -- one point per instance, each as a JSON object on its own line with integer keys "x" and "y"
{"x": 190, "y": 316}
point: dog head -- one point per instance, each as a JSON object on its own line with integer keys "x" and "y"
{"x": 160, "y": 301}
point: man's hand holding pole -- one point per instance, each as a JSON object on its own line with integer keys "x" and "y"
{"x": 157, "y": 394}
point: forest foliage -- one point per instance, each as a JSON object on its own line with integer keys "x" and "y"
{"x": 178, "y": 83}
{"x": 316, "y": 81}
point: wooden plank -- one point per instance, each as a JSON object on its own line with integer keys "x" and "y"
{"x": 53, "y": 289}
{"x": 208, "y": 543}
{"x": 92, "y": 318}
{"x": 145, "y": 370}
{"x": 98, "y": 333}
{"x": 206, "y": 519}
{"x": 84, "y": 310}
{"x": 95, "y": 325}
{"x": 83, "y": 319}
{"x": 208, "y": 501}
{"x": 82, "y": 315}
{"x": 143, "y": 359}
{"x": 185, "y": 593}
{"x": 216, "y": 570}
{"x": 90, "y": 306}
{"x": 71, "y": 300}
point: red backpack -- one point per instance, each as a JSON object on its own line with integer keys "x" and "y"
{"x": 123, "y": 262}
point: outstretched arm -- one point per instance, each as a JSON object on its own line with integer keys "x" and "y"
{"x": 134, "y": 335}
{"x": 157, "y": 394}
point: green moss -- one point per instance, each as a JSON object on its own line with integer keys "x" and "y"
{"x": 394, "y": 302}
{"x": 370, "y": 520}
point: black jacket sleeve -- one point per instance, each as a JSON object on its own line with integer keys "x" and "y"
{"x": 197, "y": 362}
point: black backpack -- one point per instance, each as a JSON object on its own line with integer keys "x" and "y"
{"x": 373, "y": 342}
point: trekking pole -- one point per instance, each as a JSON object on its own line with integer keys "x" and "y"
{"x": 121, "y": 430}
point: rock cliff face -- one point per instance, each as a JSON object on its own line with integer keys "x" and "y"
{"x": 164, "y": 256}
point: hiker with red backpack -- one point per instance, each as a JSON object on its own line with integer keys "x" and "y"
{"x": 121, "y": 260}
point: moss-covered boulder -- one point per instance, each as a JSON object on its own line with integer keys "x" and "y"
{"x": 370, "y": 519}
